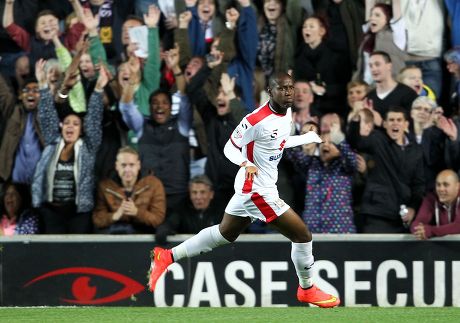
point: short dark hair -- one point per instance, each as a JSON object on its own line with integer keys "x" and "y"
{"x": 385, "y": 55}
{"x": 134, "y": 17}
{"x": 397, "y": 109}
{"x": 45, "y": 13}
{"x": 30, "y": 79}
{"x": 158, "y": 92}
{"x": 273, "y": 80}
{"x": 201, "y": 179}
{"x": 23, "y": 191}
{"x": 323, "y": 21}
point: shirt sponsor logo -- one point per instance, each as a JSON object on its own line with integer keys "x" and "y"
{"x": 276, "y": 157}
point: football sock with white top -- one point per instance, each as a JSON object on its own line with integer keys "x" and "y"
{"x": 302, "y": 257}
{"x": 204, "y": 241}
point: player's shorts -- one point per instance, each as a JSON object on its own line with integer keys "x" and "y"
{"x": 261, "y": 206}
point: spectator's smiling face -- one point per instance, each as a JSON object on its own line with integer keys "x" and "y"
{"x": 206, "y": 9}
{"x": 200, "y": 195}
{"x": 395, "y": 125}
{"x": 71, "y": 129}
{"x": 87, "y": 66}
{"x": 12, "y": 201}
{"x": 272, "y": 10}
{"x": 46, "y": 26}
{"x": 377, "y": 20}
{"x": 313, "y": 32}
{"x": 413, "y": 79}
{"x": 160, "y": 108}
{"x": 30, "y": 96}
{"x": 447, "y": 187}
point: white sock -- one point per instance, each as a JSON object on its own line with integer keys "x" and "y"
{"x": 302, "y": 257}
{"x": 204, "y": 241}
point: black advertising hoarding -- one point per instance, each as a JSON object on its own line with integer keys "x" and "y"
{"x": 364, "y": 270}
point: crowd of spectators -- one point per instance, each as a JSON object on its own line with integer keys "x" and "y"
{"x": 114, "y": 113}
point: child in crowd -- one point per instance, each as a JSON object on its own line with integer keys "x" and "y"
{"x": 16, "y": 215}
{"x": 412, "y": 77}
{"x": 329, "y": 167}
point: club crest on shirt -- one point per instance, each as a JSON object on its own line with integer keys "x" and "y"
{"x": 237, "y": 134}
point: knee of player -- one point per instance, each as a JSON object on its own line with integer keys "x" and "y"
{"x": 301, "y": 236}
{"x": 230, "y": 235}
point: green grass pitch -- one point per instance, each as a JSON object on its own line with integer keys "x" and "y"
{"x": 240, "y": 315}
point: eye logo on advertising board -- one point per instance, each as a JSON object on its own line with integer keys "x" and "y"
{"x": 84, "y": 292}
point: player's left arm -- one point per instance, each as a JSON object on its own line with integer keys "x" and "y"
{"x": 307, "y": 138}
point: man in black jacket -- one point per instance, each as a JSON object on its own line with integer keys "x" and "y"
{"x": 201, "y": 211}
{"x": 395, "y": 173}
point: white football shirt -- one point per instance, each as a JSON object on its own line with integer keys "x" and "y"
{"x": 261, "y": 137}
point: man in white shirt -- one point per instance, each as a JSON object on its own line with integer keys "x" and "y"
{"x": 257, "y": 145}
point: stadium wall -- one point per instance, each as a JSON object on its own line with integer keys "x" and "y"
{"x": 91, "y": 270}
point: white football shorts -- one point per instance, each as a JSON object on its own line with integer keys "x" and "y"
{"x": 261, "y": 206}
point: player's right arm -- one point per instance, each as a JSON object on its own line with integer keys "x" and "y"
{"x": 235, "y": 156}
{"x": 243, "y": 134}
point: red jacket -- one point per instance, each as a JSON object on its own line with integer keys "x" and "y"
{"x": 23, "y": 38}
{"x": 437, "y": 226}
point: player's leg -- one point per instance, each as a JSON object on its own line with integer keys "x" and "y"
{"x": 291, "y": 225}
{"x": 204, "y": 241}
{"x": 209, "y": 238}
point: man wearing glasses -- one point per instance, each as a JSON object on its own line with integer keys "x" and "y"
{"x": 20, "y": 138}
